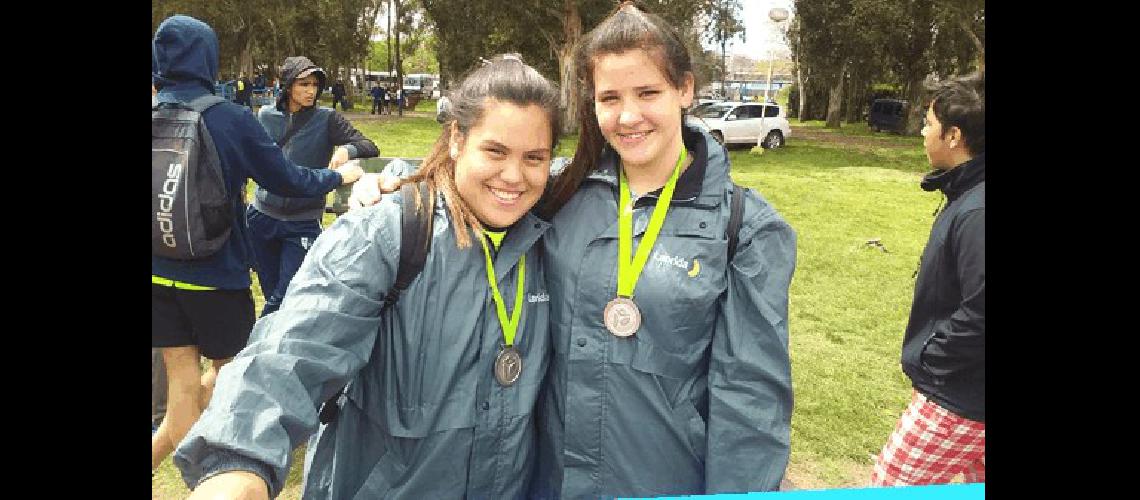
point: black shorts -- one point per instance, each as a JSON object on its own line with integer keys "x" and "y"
{"x": 217, "y": 321}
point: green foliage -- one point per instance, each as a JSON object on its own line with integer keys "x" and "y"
{"x": 884, "y": 42}
{"x": 255, "y": 33}
{"x": 378, "y": 57}
{"x": 421, "y": 60}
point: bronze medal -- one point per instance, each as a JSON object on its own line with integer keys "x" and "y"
{"x": 622, "y": 318}
{"x": 508, "y": 366}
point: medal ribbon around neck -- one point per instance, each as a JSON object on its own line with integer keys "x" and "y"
{"x": 509, "y": 327}
{"x": 629, "y": 272}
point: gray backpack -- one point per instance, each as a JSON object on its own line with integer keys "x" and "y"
{"x": 191, "y": 210}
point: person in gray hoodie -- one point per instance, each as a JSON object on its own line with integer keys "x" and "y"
{"x": 283, "y": 228}
{"x": 426, "y": 415}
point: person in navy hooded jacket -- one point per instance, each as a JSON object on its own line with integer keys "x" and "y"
{"x": 204, "y": 307}
{"x": 283, "y": 228}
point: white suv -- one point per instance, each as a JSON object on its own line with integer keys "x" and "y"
{"x": 743, "y": 123}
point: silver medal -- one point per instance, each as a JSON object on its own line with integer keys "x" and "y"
{"x": 622, "y": 318}
{"x": 508, "y": 366}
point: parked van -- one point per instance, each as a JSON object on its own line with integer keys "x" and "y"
{"x": 887, "y": 114}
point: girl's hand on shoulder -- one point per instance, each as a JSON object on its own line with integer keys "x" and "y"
{"x": 370, "y": 188}
{"x": 339, "y": 157}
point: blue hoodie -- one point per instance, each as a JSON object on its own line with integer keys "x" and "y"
{"x": 184, "y": 62}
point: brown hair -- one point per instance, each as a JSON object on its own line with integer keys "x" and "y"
{"x": 628, "y": 27}
{"x": 506, "y": 78}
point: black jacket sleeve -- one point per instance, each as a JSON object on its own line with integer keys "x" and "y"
{"x": 959, "y": 342}
{"x": 342, "y": 133}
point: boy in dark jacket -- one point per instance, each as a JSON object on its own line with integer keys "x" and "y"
{"x": 377, "y": 99}
{"x": 943, "y": 431}
{"x": 283, "y": 228}
{"x": 203, "y": 307}
{"x": 337, "y": 92}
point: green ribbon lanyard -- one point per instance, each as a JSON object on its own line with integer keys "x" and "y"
{"x": 629, "y": 272}
{"x": 509, "y": 327}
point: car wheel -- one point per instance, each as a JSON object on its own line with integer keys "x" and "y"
{"x": 774, "y": 139}
{"x": 718, "y": 136}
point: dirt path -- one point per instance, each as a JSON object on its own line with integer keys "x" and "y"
{"x": 863, "y": 143}
{"x": 358, "y": 115}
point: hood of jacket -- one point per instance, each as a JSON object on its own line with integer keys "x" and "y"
{"x": 184, "y": 58}
{"x": 290, "y": 71}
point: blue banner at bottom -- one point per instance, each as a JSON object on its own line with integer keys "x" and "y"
{"x": 974, "y": 491}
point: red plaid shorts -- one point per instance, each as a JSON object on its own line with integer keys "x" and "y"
{"x": 931, "y": 445}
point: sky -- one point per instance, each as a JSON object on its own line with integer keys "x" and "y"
{"x": 761, "y": 33}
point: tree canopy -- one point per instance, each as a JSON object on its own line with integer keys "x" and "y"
{"x": 846, "y": 49}
{"x": 846, "y": 52}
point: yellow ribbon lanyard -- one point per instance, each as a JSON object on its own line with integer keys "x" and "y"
{"x": 629, "y": 272}
{"x": 181, "y": 285}
{"x": 509, "y": 327}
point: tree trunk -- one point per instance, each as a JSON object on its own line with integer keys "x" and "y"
{"x": 803, "y": 92}
{"x": 835, "y": 99}
{"x": 388, "y": 38}
{"x": 855, "y": 94}
{"x": 981, "y": 48}
{"x": 571, "y": 32}
{"x": 245, "y": 61}
{"x": 399, "y": 64}
{"x": 915, "y": 110}
{"x": 723, "y": 68}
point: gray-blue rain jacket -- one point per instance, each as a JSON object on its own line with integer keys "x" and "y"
{"x": 424, "y": 416}
{"x": 699, "y": 400}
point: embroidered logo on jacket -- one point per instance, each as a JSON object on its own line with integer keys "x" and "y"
{"x": 537, "y": 297}
{"x": 662, "y": 258}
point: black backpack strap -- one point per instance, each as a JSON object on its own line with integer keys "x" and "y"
{"x": 199, "y": 104}
{"x": 204, "y": 102}
{"x": 415, "y": 242}
{"x": 735, "y": 217}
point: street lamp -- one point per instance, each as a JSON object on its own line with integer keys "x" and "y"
{"x": 777, "y": 15}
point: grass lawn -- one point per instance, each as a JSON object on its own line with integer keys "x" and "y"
{"x": 849, "y": 301}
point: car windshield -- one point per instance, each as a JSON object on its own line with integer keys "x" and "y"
{"x": 713, "y": 111}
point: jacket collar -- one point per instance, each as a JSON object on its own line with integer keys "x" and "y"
{"x": 521, "y": 236}
{"x": 710, "y": 163}
{"x": 957, "y": 180}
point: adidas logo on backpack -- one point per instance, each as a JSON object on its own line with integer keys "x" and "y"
{"x": 191, "y": 211}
